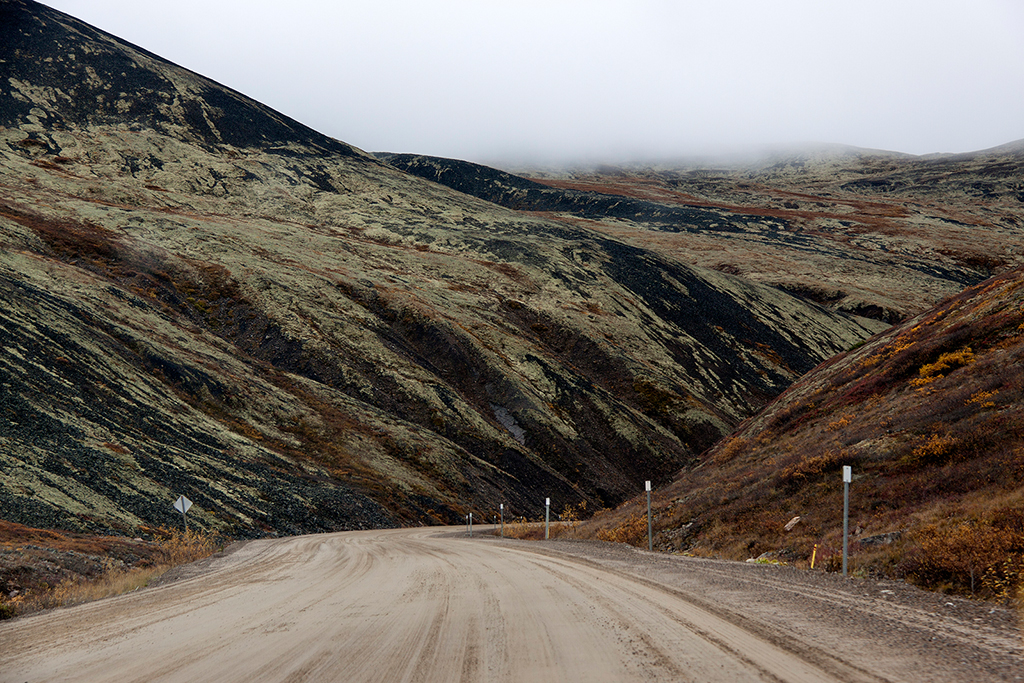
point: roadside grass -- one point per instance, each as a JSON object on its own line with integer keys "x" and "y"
{"x": 524, "y": 529}
{"x": 169, "y": 549}
{"x": 76, "y": 591}
{"x": 564, "y": 524}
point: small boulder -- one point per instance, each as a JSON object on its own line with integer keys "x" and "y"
{"x": 882, "y": 539}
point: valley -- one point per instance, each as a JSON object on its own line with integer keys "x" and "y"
{"x": 205, "y": 297}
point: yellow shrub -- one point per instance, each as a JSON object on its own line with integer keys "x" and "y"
{"x": 189, "y": 546}
{"x": 632, "y": 530}
{"x": 982, "y": 398}
{"x": 946, "y": 362}
{"x": 572, "y": 514}
{"x": 844, "y": 421}
{"x": 730, "y": 450}
{"x": 1006, "y": 580}
{"x": 937, "y": 449}
{"x": 971, "y": 556}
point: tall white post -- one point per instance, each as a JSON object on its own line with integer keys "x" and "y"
{"x": 847, "y": 478}
{"x": 650, "y": 536}
{"x": 547, "y": 516}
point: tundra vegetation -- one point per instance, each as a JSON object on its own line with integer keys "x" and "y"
{"x": 928, "y": 415}
{"x": 203, "y": 296}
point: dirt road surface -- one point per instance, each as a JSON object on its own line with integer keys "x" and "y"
{"x": 434, "y": 605}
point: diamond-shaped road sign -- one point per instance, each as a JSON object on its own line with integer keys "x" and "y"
{"x": 182, "y": 504}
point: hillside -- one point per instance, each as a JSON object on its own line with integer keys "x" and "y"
{"x": 205, "y": 297}
{"x": 874, "y": 234}
{"x": 929, "y": 417}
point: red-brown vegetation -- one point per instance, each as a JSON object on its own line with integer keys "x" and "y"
{"x": 43, "y": 568}
{"x": 929, "y": 416}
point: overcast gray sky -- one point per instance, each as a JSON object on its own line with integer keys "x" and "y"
{"x": 596, "y": 80}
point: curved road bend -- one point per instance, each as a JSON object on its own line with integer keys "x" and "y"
{"x": 403, "y": 605}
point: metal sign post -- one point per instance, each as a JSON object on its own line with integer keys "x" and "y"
{"x": 547, "y": 516}
{"x": 650, "y": 537}
{"x": 182, "y": 505}
{"x": 847, "y": 478}
{"x": 501, "y": 508}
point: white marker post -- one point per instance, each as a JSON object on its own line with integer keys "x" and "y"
{"x": 501, "y": 508}
{"x": 470, "y": 523}
{"x": 182, "y": 505}
{"x": 547, "y": 516}
{"x": 847, "y": 478}
{"x": 650, "y": 536}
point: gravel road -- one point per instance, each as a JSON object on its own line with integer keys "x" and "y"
{"x": 433, "y": 605}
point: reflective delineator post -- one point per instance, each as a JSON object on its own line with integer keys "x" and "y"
{"x": 501, "y": 508}
{"x": 547, "y": 516}
{"x": 470, "y": 523}
{"x": 650, "y": 536}
{"x": 847, "y": 478}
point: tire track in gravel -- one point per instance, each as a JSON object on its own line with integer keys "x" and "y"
{"x": 420, "y": 605}
{"x": 951, "y": 627}
{"x": 908, "y": 634}
{"x": 731, "y": 633}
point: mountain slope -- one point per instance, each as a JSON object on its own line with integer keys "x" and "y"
{"x": 928, "y": 415}
{"x": 876, "y": 234}
{"x": 209, "y": 298}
